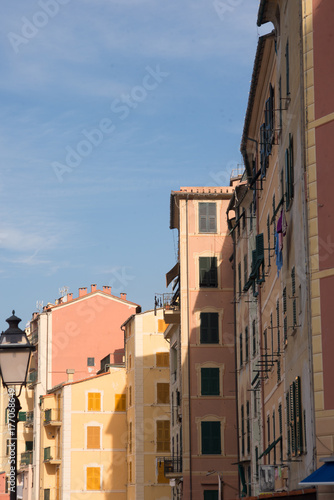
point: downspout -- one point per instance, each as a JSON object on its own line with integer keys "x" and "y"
{"x": 189, "y": 371}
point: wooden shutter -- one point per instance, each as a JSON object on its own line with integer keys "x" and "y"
{"x": 209, "y": 333}
{"x": 163, "y": 435}
{"x": 163, "y": 393}
{"x": 162, "y": 359}
{"x": 93, "y": 478}
{"x": 93, "y": 437}
{"x": 207, "y": 217}
{"x": 120, "y": 402}
{"x": 161, "y": 479}
{"x": 298, "y": 415}
{"x": 210, "y": 382}
{"x": 211, "y": 439}
{"x": 94, "y": 401}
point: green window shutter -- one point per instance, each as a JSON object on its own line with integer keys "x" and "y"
{"x": 248, "y": 427}
{"x": 245, "y": 269}
{"x": 207, "y": 217}
{"x": 285, "y": 329}
{"x": 263, "y": 157}
{"x": 278, "y": 370}
{"x": 293, "y": 281}
{"x": 211, "y": 438}
{"x": 246, "y": 344}
{"x": 210, "y": 494}
{"x": 260, "y": 248}
{"x": 269, "y": 242}
{"x": 292, "y": 405}
{"x": 299, "y": 420}
{"x": 242, "y": 430}
{"x": 241, "y": 353}
{"x": 209, "y": 332}
{"x": 22, "y": 416}
{"x": 284, "y": 300}
{"x": 210, "y": 382}
{"x": 278, "y": 330}
{"x": 29, "y": 445}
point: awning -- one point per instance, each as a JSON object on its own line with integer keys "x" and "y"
{"x": 172, "y": 273}
{"x": 322, "y": 476}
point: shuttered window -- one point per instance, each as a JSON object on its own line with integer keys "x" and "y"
{"x": 162, "y": 359}
{"x": 210, "y": 382}
{"x": 94, "y": 401}
{"x": 207, "y": 217}
{"x": 93, "y": 437}
{"x": 211, "y": 438}
{"x": 161, "y": 479}
{"x": 294, "y": 418}
{"x": 120, "y": 402}
{"x": 209, "y": 333}
{"x": 93, "y": 478}
{"x": 208, "y": 276}
{"x": 163, "y": 435}
{"x": 163, "y": 393}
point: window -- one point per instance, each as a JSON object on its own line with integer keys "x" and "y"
{"x": 162, "y": 359}
{"x": 207, "y": 218}
{"x": 268, "y": 435}
{"x": 22, "y": 416}
{"x": 246, "y": 345}
{"x": 278, "y": 326}
{"x": 163, "y": 435}
{"x": 163, "y": 393}
{"x": 47, "y": 494}
{"x": 268, "y": 235}
{"x": 210, "y": 494}
{"x": 129, "y": 361}
{"x": 245, "y": 269}
{"x": 280, "y": 425}
{"x": 208, "y": 276}
{"x": 130, "y": 437}
{"x": 120, "y": 402}
{"x": 90, "y": 361}
{"x": 285, "y": 317}
{"x": 94, "y": 401}
{"x": 280, "y": 102}
{"x": 209, "y": 333}
{"x": 287, "y": 67}
{"x": 211, "y": 438}
{"x": 93, "y": 478}
{"x": 243, "y": 218}
{"x": 29, "y": 445}
{"x": 289, "y": 191}
{"x": 269, "y": 121}
{"x": 294, "y": 297}
{"x": 242, "y": 411}
{"x": 210, "y": 382}
{"x": 130, "y": 395}
{"x": 7, "y": 446}
{"x": 130, "y": 472}
{"x": 239, "y": 278}
{"x": 295, "y": 425}
{"x": 161, "y": 479}
{"x": 254, "y": 337}
{"x": 241, "y": 349}
{"x": 248, "y": 427}
{"x": 93, "y": 437}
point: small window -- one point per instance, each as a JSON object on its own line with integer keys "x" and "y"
{"x": 211, "y": 439}
{"x": 209, "y": 333}
{"x": 208, "y": 276}
{"x": 163, "y": 435}
{"x": 93, "y": 437}
{"x": 163, "y": 393}
{"x": 120, "y": 402}
{"x": 130, "y": 437}
{"x": 130, "y": 395}
{"x": 94, "y": 401}
{"x": 129, "y": 361}
{"x": 93, "y": 478}
{"x": 29, "y": 445}
{"x": 162, "y": 359}
{"x": 210, "y": 382}
{"x": 90, "y": 361}
{"x": 22, "y": 416}
{"x": 130, "y": 472}
{"x": 7, "y": 446}
{"x": 207, "y": 217}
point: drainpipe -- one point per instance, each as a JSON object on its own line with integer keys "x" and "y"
{"x": 189, "y": 371}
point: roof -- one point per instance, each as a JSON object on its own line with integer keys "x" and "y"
{"x": 266, "y": 12}
{"x": 252, "y": 93}
{"x": 193, "y": 193}
{"x": 72, "y": 382}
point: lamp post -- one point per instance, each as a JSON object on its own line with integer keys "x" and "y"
{"x": 15, "y": 352}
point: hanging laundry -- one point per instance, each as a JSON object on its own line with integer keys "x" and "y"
{"x": 278, "y": 253}
{"x": 281, "y": 229}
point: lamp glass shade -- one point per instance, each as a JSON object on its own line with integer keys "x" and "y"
{"x": 14, "y": 364}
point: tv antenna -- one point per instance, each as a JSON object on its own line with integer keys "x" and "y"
{"x": 63, "y": 291}
{"x": 39, "y": 305}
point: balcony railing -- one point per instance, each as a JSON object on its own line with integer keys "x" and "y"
{"x": 52, "y": 416}
{"x": 52, "y": 455}
{"x": 26, "y": 458}
{"x": 172, "y": 466}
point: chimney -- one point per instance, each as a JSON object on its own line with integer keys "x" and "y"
{"x": 123, "y": 296}
{"x": 69, "y": 297}
{"x": 106, "y": 289}
{"x": 70, "y": 373}
{"x": 93, "y": 288}
{"x": 82, "y": 291}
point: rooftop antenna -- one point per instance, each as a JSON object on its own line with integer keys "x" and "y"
{"x": 63, "y": 291}
{"x": 39, "y": 305}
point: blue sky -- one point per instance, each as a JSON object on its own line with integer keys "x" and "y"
{"x": 107, "y": 106}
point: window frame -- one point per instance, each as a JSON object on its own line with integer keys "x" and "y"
{"x": 209, "y": 330}
{"x": 208, "y": 272}
{"x": 207, "y": 223}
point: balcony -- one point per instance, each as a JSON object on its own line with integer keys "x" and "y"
{"x": 26, "y": 458}
{"x": 52, "y": 455}
{"x": 52, "y": 417}
{"x": 172, "y": 467}
{"x": 29, "y": 422}
{"x": 171, "y": 306}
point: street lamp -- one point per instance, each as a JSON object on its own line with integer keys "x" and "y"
{"x": 15, "y": 352}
